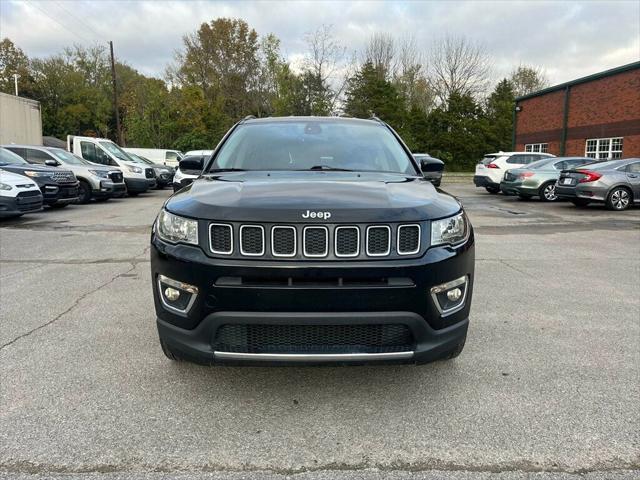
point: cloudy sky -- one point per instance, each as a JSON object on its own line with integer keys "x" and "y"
{"x": 568, "y": 39}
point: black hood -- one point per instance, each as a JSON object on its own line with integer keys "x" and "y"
{"x": 19, "y": 168}
{"x": 286, "y": 196}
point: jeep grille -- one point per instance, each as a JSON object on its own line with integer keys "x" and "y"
{"x": 317, "y": 242}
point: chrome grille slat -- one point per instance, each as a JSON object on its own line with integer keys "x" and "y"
{"x": 347, "y": 241}
{"x": 221, "y": 238}
{"x": 315, "y": 241}
{"x": 252, "y": 240}
{"x": 378, "y": 240}
{"x": 283, "y": 241}
{"x": 409, "y": 237}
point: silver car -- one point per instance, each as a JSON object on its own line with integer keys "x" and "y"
{"x": 615, "y": 183}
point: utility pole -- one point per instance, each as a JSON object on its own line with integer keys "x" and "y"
{"x": 15, "y": 82}
{"x": 115, "y": 97}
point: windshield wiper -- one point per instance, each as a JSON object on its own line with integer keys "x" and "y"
{"x": 327, "y": 168}
{"x": 218, "y": 170}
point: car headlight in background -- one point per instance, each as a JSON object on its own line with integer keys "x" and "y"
{"x": 173, "y": 228}
{"x": 31, "y": 173}
{"x": 134, "y": 169}
{"x": 4, "y": 186}
{"x": 99, "y": 173}
{"x": 449, "y": 231}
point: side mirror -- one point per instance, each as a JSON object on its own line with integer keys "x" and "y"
{"x": 51, "y": 163}
{"x": 431, "y": 165}
{"x": 192, "y": 164}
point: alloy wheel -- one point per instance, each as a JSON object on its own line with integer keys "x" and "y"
{"x": 620, "y": 199}
{"x": 549, "y": 192}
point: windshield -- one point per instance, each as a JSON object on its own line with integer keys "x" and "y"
{"x": 116, "y": 151}
{"x": 67, "y": 157}
{"x": 488, "y": 159}
{"x": 314, "y": 145}
{"x": 141, "y": 159}
{"x": 9, "y": 158}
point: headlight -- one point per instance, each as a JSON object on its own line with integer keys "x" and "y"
{"x": 99, "y": 173}
{"x": 450, "y": 230}
{"x": 31, "y": 173}
{"x": 173, "y": 228}
{"x": 134, "y": 169}
{"x": 4, "y": 186}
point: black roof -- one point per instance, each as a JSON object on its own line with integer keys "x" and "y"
{"x": 588, "y": 78}
{"x": 309, "y": 119}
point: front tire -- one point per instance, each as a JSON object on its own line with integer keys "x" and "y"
{"x": 619, "y": 199}
{"x": 547, "y": 192}
{"x": 493, "y": 190}
{"x": 169, "y": 353}
{"x": 455, "y": 351}
{"x": 84, "y": 193}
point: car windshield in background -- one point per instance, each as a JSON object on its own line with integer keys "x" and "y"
{"x": 314, "y": 145}
{"x": 545, "y": 163}
{"x": 67, "y": 157}
{"x": 116, "y": 151}
{"x": 9, "y": 158}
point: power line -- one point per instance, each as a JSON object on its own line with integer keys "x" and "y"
{"x": 59, "y": 23}
{"x": 79, "y": 20}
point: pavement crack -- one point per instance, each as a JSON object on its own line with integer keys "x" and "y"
{"x": 73, "y": 306}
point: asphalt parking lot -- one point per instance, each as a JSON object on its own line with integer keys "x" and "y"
{"x": 547, "y": 387}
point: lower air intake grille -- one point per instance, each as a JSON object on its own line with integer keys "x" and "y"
{"x": 378, "y": 241}
{"x": 283, "y": 241}
{"x": 313, "y": 338}
{"x": 408, "y": 239}
{"x": 221, "y": 238}
{"x": 252, "y": 240}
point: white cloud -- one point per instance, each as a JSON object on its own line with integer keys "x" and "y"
{"x": 567, "y": 39}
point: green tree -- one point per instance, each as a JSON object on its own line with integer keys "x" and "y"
{"x": 368, "y": 93}
{"x": 499, "y": 111}
{"x": 14, "y": 61}
{"x": 528, "y": 79}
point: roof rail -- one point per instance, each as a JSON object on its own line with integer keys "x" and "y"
{"x": 248, "y": 117}
{"x": 373, "y": 117}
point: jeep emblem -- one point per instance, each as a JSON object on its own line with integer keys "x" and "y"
{"x": 322, "y": 215}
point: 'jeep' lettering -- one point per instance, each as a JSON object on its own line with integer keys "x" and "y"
{"x": 323, "y": 215}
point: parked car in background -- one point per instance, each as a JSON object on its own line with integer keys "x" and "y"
{"x": 18, "y": 195}
{"x": 616, "y": 183}
{"x": 164, "y": 174}
{"x": 96, "y": 181}
{"x": 189, "y": 169}
{"x": 490, "y": 170}
{"x": 432, "y": 168}
{"x": 103, "y": 151}
{"x": 538, "y": 179}
{"x": 158, "y": 155}
{"x": 59, "y": 187}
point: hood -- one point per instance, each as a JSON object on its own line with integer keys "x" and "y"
{"x": 287, "y": 196}
{"x": 19, "y": 168}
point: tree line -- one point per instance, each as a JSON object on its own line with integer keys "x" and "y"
{"x": 441, "y": 98}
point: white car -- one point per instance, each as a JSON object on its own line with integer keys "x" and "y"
{"x": 491, "y": 169}
{"x": 184, "y": 177}
{"x": 160, "y": 156}
{"x": 18, "y": 195}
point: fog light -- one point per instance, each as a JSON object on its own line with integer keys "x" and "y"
{"x": 171, "y": 294}
{"x": 177, "y": 297}
{"x": 449, "y": 297}
{"x": 454, "y": 295}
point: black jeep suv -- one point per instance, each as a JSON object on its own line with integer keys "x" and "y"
{"x": 313, "y": 240}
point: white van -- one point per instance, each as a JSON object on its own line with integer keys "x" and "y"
{"x": 103, "y": 151}
{"x": 158, "y": 155}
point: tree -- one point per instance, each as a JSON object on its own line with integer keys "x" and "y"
{"x": 381, "y": 53}
{"x": 367, "y": 93}
{"x": 499, "y": 111}
{"x": 528, "y": 79}
{"x": 458, "y": 67}
{"x": 14, "y": 61}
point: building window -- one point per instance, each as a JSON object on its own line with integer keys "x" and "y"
{"x": 604, "y": 148}
{"x": 536, "y": 147}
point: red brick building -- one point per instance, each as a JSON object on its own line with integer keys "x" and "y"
{"x": 596, "y": 116}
